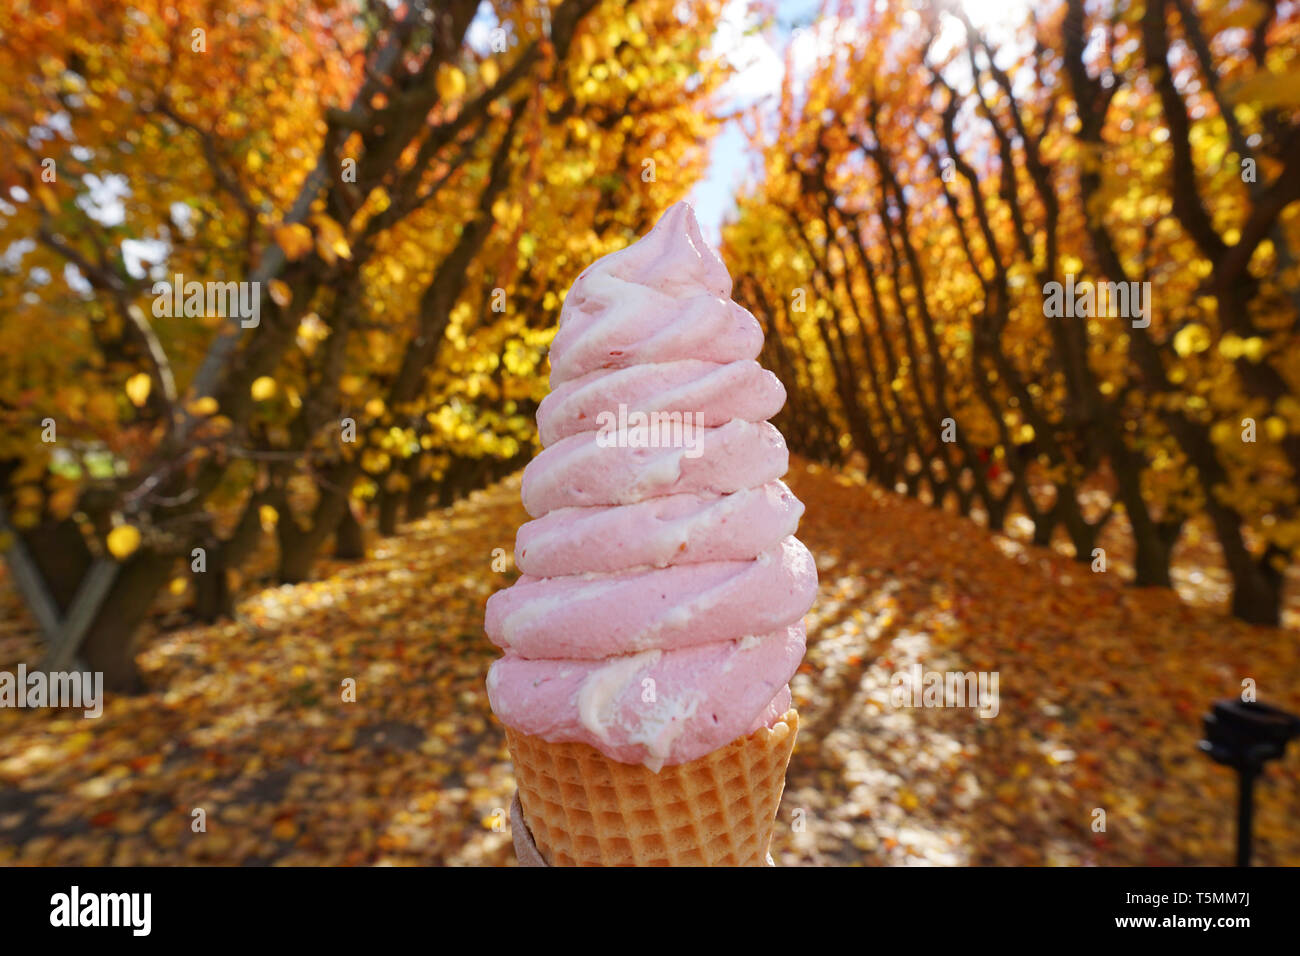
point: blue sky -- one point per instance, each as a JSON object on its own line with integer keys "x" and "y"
{"x": 759, "y": 59}
{"x": 755, "y": 35}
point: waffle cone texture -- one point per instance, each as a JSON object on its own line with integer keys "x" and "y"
{"x": 584, "y": 809}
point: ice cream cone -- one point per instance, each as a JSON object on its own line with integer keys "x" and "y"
{"x": 658, "y": 617}
{"x": 584, "y": 809}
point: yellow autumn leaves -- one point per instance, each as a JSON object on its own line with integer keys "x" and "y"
{"x": 450, "y": 82}
{"x": 1194, "y": 338}
{"x": 294, "y": 238}
{"x": 207, "y": 405}
{"x": 123, "y": 541}
{"x": 297, "y": 239}
{"x": 263, "y": 388}
{"x": 138, "y": 387}
{"x": 226, "y": 173}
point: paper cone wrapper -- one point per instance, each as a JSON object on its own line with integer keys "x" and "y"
{"x": 583, "y": 809}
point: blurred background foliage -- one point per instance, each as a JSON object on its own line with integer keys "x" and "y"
{"x": 927, "y": 182}
{"x": 413, "y": 187}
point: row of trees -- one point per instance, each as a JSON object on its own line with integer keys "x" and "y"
{"x": 404, "y": 193}
{"x": 926, "y": 190}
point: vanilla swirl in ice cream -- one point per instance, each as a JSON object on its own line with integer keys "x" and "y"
{"x": 659, "y": 614}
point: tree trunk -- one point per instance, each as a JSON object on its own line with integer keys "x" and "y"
{"x": 296, "y": 556}
{"x": 446, "y": 489}
{"x": 1045, "y": 523}
{"x": 1154, "y": 551}
{"x": 349, "y": 537}
{"x": 299, "y": 546}
{"x": 61, "y": 556}
{"x": 213, "y": 597}
{"x": 1257, "y": 593}
{"x": 417, "y": 499}
{"x": 1153, "y": 543}
{"x": 453, "y": 480}
{"x": 390, "y": 507}
{"x": 109, "y": 645}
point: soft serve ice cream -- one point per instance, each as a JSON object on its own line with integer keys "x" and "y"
{"x": 659, "y": 613}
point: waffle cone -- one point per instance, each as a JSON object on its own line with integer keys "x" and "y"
{"x": 584, "y": 809}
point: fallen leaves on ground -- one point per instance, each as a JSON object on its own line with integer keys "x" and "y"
{"x": 1102, "y": 688}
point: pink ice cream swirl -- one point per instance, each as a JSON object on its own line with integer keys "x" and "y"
{"x": 659, "y": 613}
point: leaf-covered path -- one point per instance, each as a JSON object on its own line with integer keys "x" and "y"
{"x": 1101, "y": 693}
